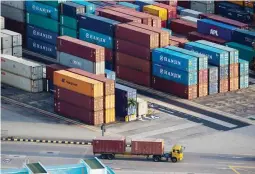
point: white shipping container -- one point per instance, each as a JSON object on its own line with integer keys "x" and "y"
{"x": 202, "y": 7}
{"x": 189, "y": 12}
{"x": 142, "y": 107}
{"x": 13, "y": 13}
{"x": 21, "y": 82}
{"x": 17, "y": 51}
{"x": 16, "y": 4}
{"x": 16, "y": 37}
{"x": 189, "y": 19}
{"x": 22, "y": 67}
{"x": 7, "y": 51}
{"x": 6, "y": 41}
{"x": 2, "y": 22}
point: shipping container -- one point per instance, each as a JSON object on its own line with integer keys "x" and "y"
{"x": 21, "y": 67}
{"x": 6, "y": 41}
{"x": 65, "y": 31}
{"x": 81, "y": 114}
{"x": 55, "y": 3}
{"x": 109, "y": 116}
{"x": 213, "y": 73}
{"x": 89, "y": 7}
{"x": 78, "y": 83}
{"x": 189, "y": 12}
{"x": 98, "y": 24}
{"x": 96, "y": 38}
{"x": 202, "y": 89}
{"x": 110, "y": 74}
{"x": 182, "y": 27}
{"x": 223, "y": 72}
{"x": 80, "y": 48}
{"x": 7, "y": 51}
{"x": 2, "y": 22}
{"x": 215, "y": 56}
{"x": 234, "y": 70}
{"x": 16, "y": 37}
{"x": 223, "y": 85}
{"x": 15, "y": 4}
{"x": 245, "y": 37}
{"x": 194, "y": 36}
{"x": 132, "y": 49}
{"x": 109, "y": 65}
{"x": 115, "y": 145}
{"x": 168, "y": 86}
{"x": 213, "y": 88}
{"x": 109, "y": 101}
{"x": 71, "y": 9}
{"x": 174, "y": 59}
{"x": 243, "y": 67}
{"x": 42, "y": 47}
{"x": 129, "y": 5}
{"x": 217, "y": 29}
{"x": 16, "y": 14}
{"x": 108, "y": 84}
{"x": 203, "y": 76}
{"x": 181, "y": 41}
{"x": 147, "y": 146}
{"x": 168, "y": 30}
{"x": 51, "y": 68}
{"x": 109, "y": 54}
{"x": 42, "y": 34}
{"x": 142, "y": 3}
{"x": 42, "y": 22}
{"x": 79, "y": 100}
{"x": 133, "y": 62}
{"x": 137, "y": 35}
{"x": 189, "y": 19}
{"x": 156, "y": 11}
{"x": 202, "y": 7}
{"x": 179, "y": 76}
{"x": 17, "y": 51}
{"x": 243, "y": 81}
{"x": 233, "y": 84}
{"x": 68, "y": 22}
{"x": 49, "y": 86}
{"x": 171, "y": 10}
{"x": 21, "y": 82}
{"x": 42, "y": 9}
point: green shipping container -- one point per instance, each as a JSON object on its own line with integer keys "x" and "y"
{"x": 68, "y": 22}
{"x": 64, "y": 31}
{"x": 52, "y": 3}
{"x": 43, "y": 22}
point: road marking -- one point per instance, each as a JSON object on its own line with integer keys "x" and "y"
{"x": 230, "y": 163}
{"x": 233, "y": 169}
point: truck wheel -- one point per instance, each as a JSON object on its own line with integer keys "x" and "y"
{"x": 156, "y": 158}
{"x": 110, "y": 156}
{"x": 174, "y": 160}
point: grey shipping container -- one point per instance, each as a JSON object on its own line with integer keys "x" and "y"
{"x": 16, "y": 14}
{"x": 21, "y": 67}
{"x": 189, "y": 19}
{"x": 6, "y": 41}
{"x": 21, "y": 82}
{"x": 202, "y": 7}
{"x": 2, "y": 22}
{"x": 77, "y": 62}
{"x": 7, "y": 51}
{"x": 16, "y": 37}
{"x": 189, "y": 12}
{"x": 17, "y": 51}
{"x": 15, "y": 4}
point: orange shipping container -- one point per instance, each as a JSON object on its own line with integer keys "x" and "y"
{"x": 233, "y": 84}
{"x": 109, "y": 115}
{"x": 109, "y": 101}
{"x": 78, "y": 83}
{"x": 202, "y": 89}
{"x": 241, "y": 3}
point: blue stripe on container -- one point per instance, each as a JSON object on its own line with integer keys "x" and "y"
{"x": 245, "y": 37}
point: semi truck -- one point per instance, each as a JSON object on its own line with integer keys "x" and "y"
{"x": 111, "y": 147}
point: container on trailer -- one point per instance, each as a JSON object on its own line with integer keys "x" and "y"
{"x": 96, "y": 38}
{"x": 16, "y": 14}
{"x": 189, "y": 19}
{"x": 189, "y": 12}
{"x": 6, "y": 41}
{"x": 243, "y": 81}
{"x": 213, "y": 73}
{"x": 79, "y": 100}
{"x": 234, "y": 70}
{"x": 194, "y": 36}
{"x": 42, "y": 34}
{"x": 109, "y": 145}
{"x": 180, "y": 41}
{"x": 16, "y": 37}
{"x": 202, "y": 7}
{"x": 78, "y": 83}
{"x": 81, "y": 114}
{"x": 129, "y": 5}
{"x": 109, "y": 115}
{"x": 132, "y": 49}
{"x": 51, "y": 68}
{"x": 133, "y": 62}
{"x": 108, "y": 84}
{"x": 89, "y": 7}
{"x": 233, "y": 84}
{"x": 213, "y": 88}
{"x": 65, "y": 31}
{"x": 80, "y": 48}
{"x": 133, "y": 75}
{"x": 7, "y": 51}
{"x": 2, "y": 23}
{"x": 147, "y": 146}
{"x": 15, "y": 4}
{"x": 182, "y": 27}
{"x": 243, "y": 67}
{"x": 20, "y": 82}
{"x": 42, "y": 9}
{"x": 156, "y": 11}
{"x": 71, "y": 9}
{"x": 21, "y": 67}
{"x": 245, "y": 37}
{"x": 202, "y": 89}
{"x": 110, "y": 74}
{"x": 109, "y": 65}
{"x": 108, "y": 54}
{"x": 223, "y": 85}
{"x": 223, "y": 72}
{"x": 68, "y": 22}
{"x": 203, "y": 76}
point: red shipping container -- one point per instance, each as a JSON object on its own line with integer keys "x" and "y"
{"x": 108, "y": 54}
{"x": 147, "y": 146}
{"x": 137, "y": 35}
{"x": 171, "y": 11}
{"x": 181, "y": 41}
{"x": 234, "y": 70}
{"x": 51, "y": 68}
{"x": 164, "y": 24}
{"x": 132, "y": 49}
{"x": 80, "y": 48}
{"x": 155, "y": 21}
{"x": 133, "y": 62}
{"x": 194, "y": 36}
{"x": 172, "y": 3}
{"x": 203, "y": 76}
{"x": 133, "y": 75}
{"x": 233, "y": 84}
{"x": 115, "y": 145}
{"x": 223, "y": 85}
{"x": 182, "y": 27}
{"x": 74, "y": 112}
{"x": 202, "y": 89}
{"x": 79, "y": 100}
{"x": 186, "y": 92}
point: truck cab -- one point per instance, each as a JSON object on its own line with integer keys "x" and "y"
{"x": 177, "y": 153}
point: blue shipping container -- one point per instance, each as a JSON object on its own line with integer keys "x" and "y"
{"x": 96, "y": 38}
{"x": 42, "y": 9}
{"x": 213, "y": 88}
{"x": 110, "y": 74}
{"x": 89, "y": 7}
{"x": 245, "y": 37}
{"x": 243, "y": 67}
{"x": 223, "y": 72}
{"x": 109, "y": 65}
{"x": 173, "y": 59}
{"x": 142, "y": 3}
{"x": 72, "y": 9}
{"x": 217, "y": 29}
{"x": 179, "y": 76}
{"x": 179, "y": 9}
{"x": 213, "y": 74}
{"x": 42, "y": 34}
{"x": 243, "y": 81}
{"x": 42, "y": 47}
{"x": 98, "y": 24}
{"x": 215, "y": 56}
{"x": 130, "y": 5}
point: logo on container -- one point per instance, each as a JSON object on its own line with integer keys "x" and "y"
{"x": 63, "y": 80}
{"x": 170, "y": 74}
{"x": 247, "y": 39}
{"x": 214, "y": 32}
{"x": 41, "y": 47}
{"x": 75, "y": 62}
{"x": 34, "y": 7}
{"x": 93, "y": 37}
{"x": 46, "y": 36}
{"x": 169, "y": 60}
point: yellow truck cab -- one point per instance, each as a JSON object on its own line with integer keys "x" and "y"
{"x": 177, "y": 153}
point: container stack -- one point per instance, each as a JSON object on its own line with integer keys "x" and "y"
{"x": 244, "y": 74}
{"x": 158, "y": 11}
{"x": 2, "y": 22}
{"x": 213, "y": 80}
{"x": 202, "y": 6}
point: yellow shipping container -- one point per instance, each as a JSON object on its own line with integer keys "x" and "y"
{"x": 109, "y": 115}
{"x": 156, "y": 11}
{"x": 78, "y": 83}
{"x": 109, "y": 101}
{"x": 241, "y": 3}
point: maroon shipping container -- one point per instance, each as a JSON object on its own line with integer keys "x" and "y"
{"x": 75, "y": 112}
{"x": 132, "y": 49}
{"x": 223, "y": 85}
{"x": 115, "y": 145}
{"x": 133, "y": 75}
{"x": 109, "y": 85}
{"x": 147, "y": 146}
{"x": 171, "y": 11}
{"x": 163, "y": 35}
{"x": 164, "y": 24}
{"x": 12, "y": 25}
{"x": 185, "y": 4}
{"x": 182, "y": 27}
{"x": 194, "y": 36}
{"x": 155, "y": 21}
{"x": 133, "y": 62}
{"x": 80, "y": 48}
{"x": 203, "y": 76}
{"x": 233, "y": 84}
{"x": 123, "y": 18}
{"x": 186, "y": 92}
{"x": 202, "y": 89}
{"x": 234, "y": 70}
{"x": 181, "y": 41}
{"x": 51, "y": 68}
{"x": 172, "y": 3}
{"x": 79, "y": 100}
{"x": 137, "y": 35}
{"x": 108, "y": 54}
